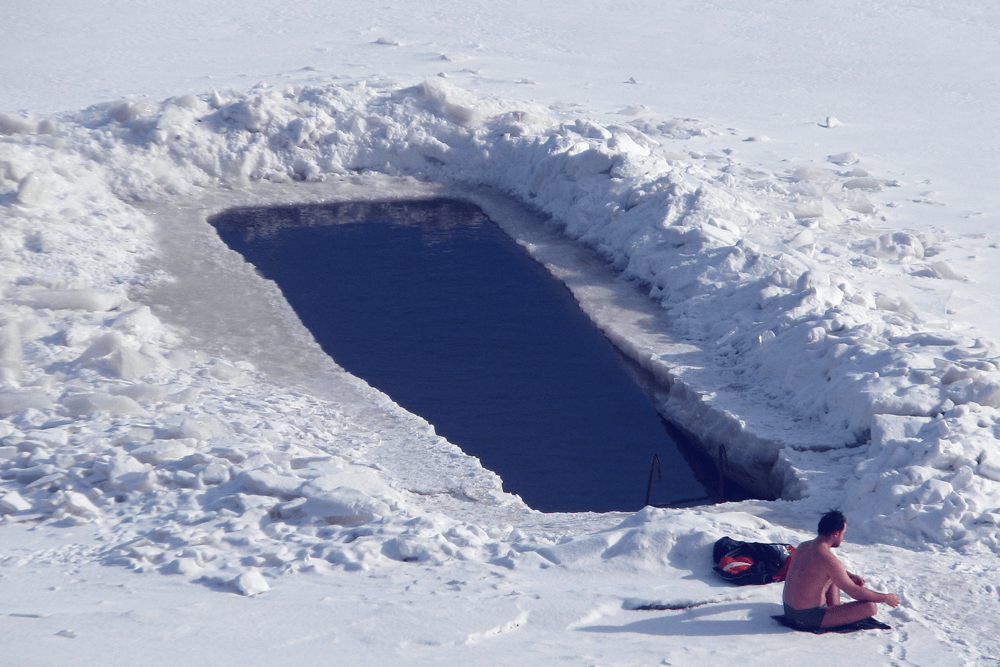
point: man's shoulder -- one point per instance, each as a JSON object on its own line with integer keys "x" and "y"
{"x": 804, "y": 547}
{"x": 814, "y": 554}
{"x": 807, "y": 550}
{"x": 824, "y": 554}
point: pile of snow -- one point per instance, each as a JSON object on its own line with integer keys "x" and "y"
{"x": 192, "y": 462}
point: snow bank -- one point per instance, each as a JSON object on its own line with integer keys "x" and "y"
{"x": 771, "y": 338}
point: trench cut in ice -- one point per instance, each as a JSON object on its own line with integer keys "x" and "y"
{"x": 432, "y": 303}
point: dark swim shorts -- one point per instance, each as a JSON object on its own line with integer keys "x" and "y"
{"x": 807, "y": 619}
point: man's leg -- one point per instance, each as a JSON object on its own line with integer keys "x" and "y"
{"x": 832, "y": 596}
{"x": 842, "y": 614}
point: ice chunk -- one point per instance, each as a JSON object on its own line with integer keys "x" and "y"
{"x": 625, "y": 143}
{"x": 142, "y": 392}
{"x": 187, "y": 479}
{"x": 139, "y": 322}
{"x": 159, "y": 451}
{"x": 813, "y": 174}
{"x": 941, "y": 270}
{"x": 101, "y": 347}
{"x": 263, "y": 483}
{"x": 16, "y": 401}
{"x": 860, "y": 205}
{"x": 78, "y": 504}
{"x": 31, "y": 327}
{"x": 11, "y": 124}
{"x": 843, "y": 159}
{"x": 344, "y": 506}
{"x": 53, "y": 437}
{"x": 12, "y": 502}
{"x": 11, "y": 355}
{"x": 251, "y": 583}
{"x": 901, "y": 245}
{"x": 633, "y": 109}
{"x": 586, "y": 128}
{"x": 90, "y": 300}
{"x": 183, "y": 566}
{"x": 83, "y": 404}
{"x": 48, "y": 126}
{"x": 220, "y": 370}
{"x": 570, "y": 551}
{"x": 127, "y": 110}
{"x": 348, "y": 496}
{"x": 128, "y": 364}
{"x": 355, "y": 477}
{"x": 821, "y": 208}
{"x": 183, "y": 359}
{"x": 202, "y": 427}
{"x": 187, "y": 395}
{"x": 32, "y": 474}
{"x": 133, "y": 481}
{"x": 33, "y": 190}
{"x": 459, "y": 104}
{"x": 933, "y": 491}
{"x": 802, "y": 239}
{"x": 215, "y": 473}
{"x": 118, "y": 465}
{"x": 871, "y": 184}
{"x": 188, "y": 101}
{"x": 589, "y": 162}
{"x": 989, "y": 465}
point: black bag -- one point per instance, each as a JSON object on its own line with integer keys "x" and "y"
{"x": 755, "y": 563}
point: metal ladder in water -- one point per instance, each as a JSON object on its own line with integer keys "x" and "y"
{"x": 723, "y": 465}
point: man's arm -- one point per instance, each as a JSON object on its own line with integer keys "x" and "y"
{"x": 848, "y": 583}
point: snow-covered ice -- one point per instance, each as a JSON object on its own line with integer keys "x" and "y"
{"x": 780, "y": 212}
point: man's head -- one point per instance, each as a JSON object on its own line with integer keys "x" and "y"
{"x": 832, "y": 522}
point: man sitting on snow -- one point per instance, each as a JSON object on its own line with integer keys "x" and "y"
{"x": 816, "y": 577}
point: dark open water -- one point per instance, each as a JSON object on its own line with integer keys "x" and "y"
{"x": 433, "y": 304}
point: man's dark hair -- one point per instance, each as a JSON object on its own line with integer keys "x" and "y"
{"x": 832, "y": 522}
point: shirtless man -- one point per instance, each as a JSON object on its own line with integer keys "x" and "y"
{"x": 816, "y": 577}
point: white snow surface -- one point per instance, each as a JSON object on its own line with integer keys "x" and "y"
{"x": 185, "y": 475}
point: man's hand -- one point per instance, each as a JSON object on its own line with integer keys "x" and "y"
{"x": 857, "y": 580}
{"x": 891, "y": 599}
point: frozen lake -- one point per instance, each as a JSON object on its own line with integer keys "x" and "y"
{"x": 433, "y": 304}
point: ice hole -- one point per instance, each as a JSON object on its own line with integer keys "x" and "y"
{"x": 436, "y": 306}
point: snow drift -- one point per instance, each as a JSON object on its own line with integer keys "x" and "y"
{"x": 124, "y": 411}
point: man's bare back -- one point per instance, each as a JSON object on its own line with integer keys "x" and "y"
{"x": 816, "y": 577}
